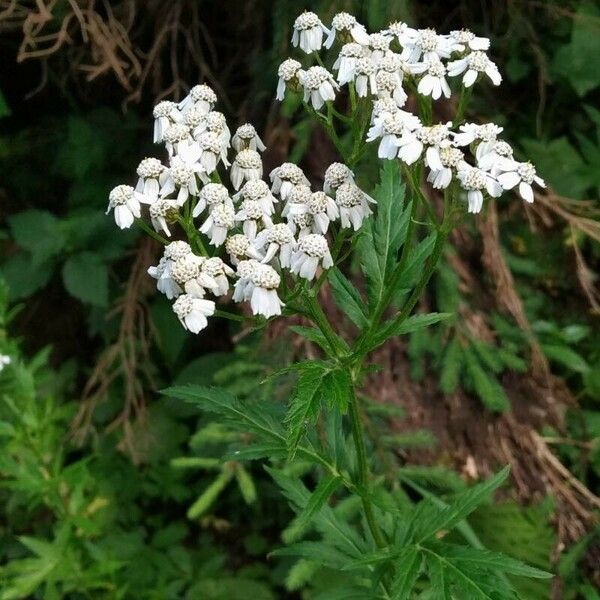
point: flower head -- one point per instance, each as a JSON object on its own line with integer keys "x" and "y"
{"x": 288, "y": 73}
{"x": 308, "y": 32}
{"x": 246, "y": 167}
{"x": 319, "y": 86}
{"x": 312, "y": 251}
{"x": 192, "y": 312}
{"x": 125, "y": 205}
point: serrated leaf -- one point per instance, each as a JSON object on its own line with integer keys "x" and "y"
{"x": 312, "y": 334}
{"x": 565, "y": 356}
{"x": 414, "y": 267}
{"x": 323, "y": 553}
{"x": 485, "y": 384}
{"x": 452, "y": 362}
{"x": 439, "y": 582}
{"x": 325, "y": 488}
{"x": 347, "y": 297}
{"x": 407, "y": 566}
{"x": 86, "y": 278}
{"x": 337, "y": 388}
{"x": 410, "y": 325}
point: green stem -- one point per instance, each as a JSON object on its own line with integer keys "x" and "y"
{"x": 146, "y": 228}
{"x": 363, "y": 471}
{"x": 338, "y": 345}
{"x": 463, "y": 102}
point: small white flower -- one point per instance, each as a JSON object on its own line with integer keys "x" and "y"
{"x": 424, "y": 43}
{"x": 185, "y": 272}
{"x": 322, "y": 208}
{"x": 192, "y": 312}
{"x": 152, "y": 174}
{"x": 299, "y": 194}
{"x": 179, "y": 141}
{"x": 201, "y": 96}
{"x": 239, "y": 247}
{"x": 336, "y": 174}
{"x": 215, "y": 269}
{"x": 463, "y": 38}
{"x": 319, "y": 86}
{"x": 450, "y": 159}
{"x": 246, "y": 137}
{"x": 279, "y": 241}
{"x": 433, "y": 83}
{"x": 302, "y": 224}
{"x": 211, "y": 152}
{"x": 264, "y": 299}
{"x": 252, "y": 215}
{"x": 176, "y": 250}
{"x": 220, "y": 220}
{"x": 469, "y": 132}
{"x": 365, "y": 73}
{"x": 381, "y": 107}
{"x": 165, "y": 114}
{"x": 345, "y": 23}
{"x": 474, "y": 181}
{"x": 4, "y": 361}
{"x": 216, "y": 123}
{"x": 393, "y": 64}
{"x": 521, "y": 174}
{"x": 246, "y": 167}
{"x": 492, "y": 156}
{"x": 162, "y": 211}
{"x": 126, "y": 206}
{"x": 345, "y": 63}
{"x": 162, "y": 272}
{"x": 400, "y": 30}
{"x": 435, "y": 137}
{"x": 312, "y": 251}
{"x": 285, "y": 177}
{"x": 472, "y": 65}
{"x": 308, "y": 32}
{"x": 390, "y": 128}
{"x": 242, "y": 290}
{"x": 212, "y": 195}
{"x": 182, "y": 177}
{"x": 389, "y": 85}
{"x": 259, "y": 191}
{"x": 287, "y": 72}
{"x": 379, "y": 43}
{"x": 353, "y": 204}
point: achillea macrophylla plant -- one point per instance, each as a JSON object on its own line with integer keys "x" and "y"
{"x": 275, "y": 241}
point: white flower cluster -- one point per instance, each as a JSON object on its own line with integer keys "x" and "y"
{"x": 380, "y": 66}
{"x": 263, "y": 229}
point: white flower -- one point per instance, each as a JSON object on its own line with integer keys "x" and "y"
{"x": 393, "y": 64}
{"x": 463, "y": 38}
{"x": 239, "y": 247}
{"x": 523, "y": 174}
{"x": 379, "y": 43}
{"x": 322, "y": 208}
{"x": 435, "y": 137}
{"x": 345, "y": 63}
{"x": 474, "y": 181}
{"x": 220, "y": 220}
{"x": 285, "y": 177}
{"x": 152, "y": 175}
{"x": 218, "y": 271}
{"x": 259, "y": 191}
{"x": 242, "y": 290}
{"x": 180, "y": 176}
{"x": 400, "y": 30}
{"x": 201, "y": 97}
{"x": 390, "y": 128}
{"x": 303, "y": 224}
{"x": 246, "y": 137}
{"x": 216, "y": 123}
{"x": 389, "y": 85}
{"x": 336, "y": 174}
{"x": 279, "y": 240}
{"x": 192, "y": 312}
{"x": 365, "y": 73}
{"x": 299, "y": 194}
{"x": 492, "y": 156}
{"x": 246, "y": 167}
{"x": 264, "y": 299}
{"x": 319, "y": 86}
{"x": 165, "y": 114}
{"x": 450, "y": 159}
{"x": 353, "y": 204}
{"x": 162, "y": 272}
{"x": 308, "y": 32}
{"x": 185, "y": 272}
{"x": 178, "y": 140}
{"x": 469, "y": 132}
{"x": 472, "y": 65}
{"x": 424, "y": 43}
{"x": 161, "y": 211}
{"x": 4, "y": 361}
{"x": 345, "y": 23}
{"x": 212, "y": 195}
{"x": 433, "y": 83}
{"x": 211, "y": 151}
{"x": 251, "y": 214}
{"x": 312, "y": 251}
{"x": 125, "y": 205}
{"x": 288, "y": 73}
{"x": 383, "y": 106}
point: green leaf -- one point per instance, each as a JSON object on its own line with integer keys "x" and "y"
{"x": 39, "y": 232}
{"x": 485, "y": 384}
{"x": 86, "y": 278}
{"x": 337, "y": 388}
{"x": 414, "y": 267}
{"x": 323, "y": 553}
{"x": 325, "y": 488}
{"x": 411, "y": 324}
{"x": 246, "y": 484}
{"x": 452, "y": 363}
{"x": 210, "y": 494}
{"x": 439, "y": 581}
{"x": 463, "y": 505}
{"x": 347, "y": 297}
{"x": 566, "y": 357}
{"x": 407, "y": 565}
{"x": 312, "y": 334}
{"x": 306, "y": 402}
{"x": 23, "y": 277}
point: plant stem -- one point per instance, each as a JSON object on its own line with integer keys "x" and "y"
{"x": 463, "y": 102}
{"x": 155, "y": 236}
{"x": 363, "y": 471}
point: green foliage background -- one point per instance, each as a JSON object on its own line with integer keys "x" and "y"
{"x": 164, "y": 517}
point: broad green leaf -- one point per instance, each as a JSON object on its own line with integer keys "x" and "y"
{"x": 485, "y": 384}
{"x": 463, "y": 505}
{"x": 86, "y": 278}
{"x": 407, "y": 565}
{"x": 325, "y": 488}
{"x": 452, "y": 362}
{"x": 347, "y": 297}
{"x": 39, "y": 232}
{"x": 24, "y": 278}
{"x": 306, "y": 402}
{"x": 411, "y": 324}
